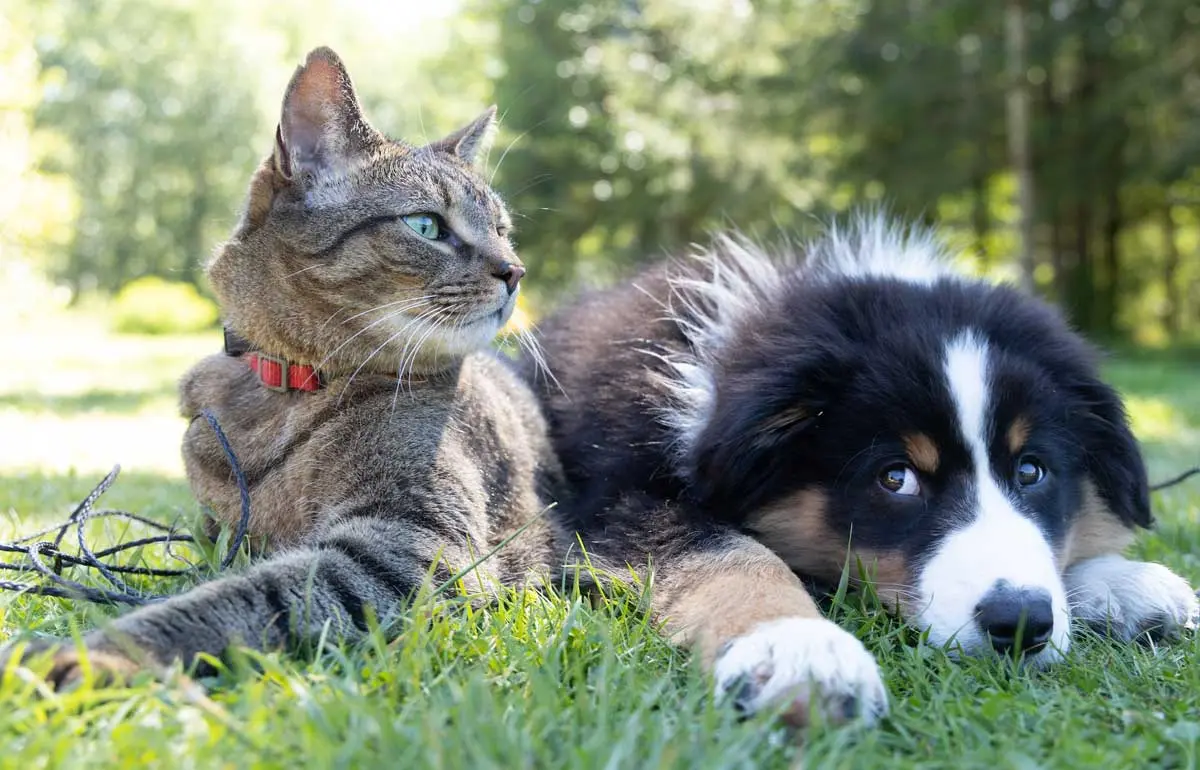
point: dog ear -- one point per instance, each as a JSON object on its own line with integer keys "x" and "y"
{"x": 1095, "y": 416}
{"x": 1114, "y": 459}
{"x": 742, "y": 450}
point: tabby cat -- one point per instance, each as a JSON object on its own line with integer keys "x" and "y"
{"x": 384, "y": 445}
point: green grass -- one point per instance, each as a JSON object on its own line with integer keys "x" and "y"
{"x": 534, "y": 681}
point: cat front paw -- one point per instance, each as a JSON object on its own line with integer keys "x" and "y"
{"x": 1131, "y": 599}
{"x": 806, "y": 665}
{"x": 69, "y": 664}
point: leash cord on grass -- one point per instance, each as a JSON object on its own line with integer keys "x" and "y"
{"x": 38, "y": 548}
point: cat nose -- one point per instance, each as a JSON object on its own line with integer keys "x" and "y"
{"x": 511, "y": 275}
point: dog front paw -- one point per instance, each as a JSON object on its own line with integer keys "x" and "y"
{"x": 1128, "y": 599}
{"x": 808, "y": 665}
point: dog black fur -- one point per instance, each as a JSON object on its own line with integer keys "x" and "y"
{"x": 854, "y": 401}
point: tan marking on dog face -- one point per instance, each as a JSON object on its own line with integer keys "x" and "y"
{"x": 711, "y": 597}
{"x": 889, "y": 573}
{"x": 922, "y": 452}
{"x": 1018, "y": 434}
{"x": 796, "y": 529}
{"x": 1096, "y": 531}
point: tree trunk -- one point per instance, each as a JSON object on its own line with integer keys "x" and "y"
{"x": 1051, "y": 193}
{"x": 194, "y": 247}
{"x": 1083, "y": 181}
{"x": 1170, "y": 276}
{"x": 1058, "y": 255}
{"x": 1018, "y": 137}
{"x": 979, "y": 215}
{"x": 1112, "y": 256}
{"x": 1083, "y": 281}
{"x": 976, "y": 125}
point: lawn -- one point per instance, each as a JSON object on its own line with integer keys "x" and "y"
{"x": 535, "y": 682}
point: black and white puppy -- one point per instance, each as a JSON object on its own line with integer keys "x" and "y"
{"x": 737, "y": 419}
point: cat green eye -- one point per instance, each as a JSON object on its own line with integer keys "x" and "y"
{"x": 424, "y": 225}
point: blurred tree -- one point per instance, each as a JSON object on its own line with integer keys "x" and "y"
{"x": 632, "y": 127}
{"x": 160, "y": 109}
{"x": 158, "y": 124}
{"x": 640, "y": 127}
{"x": 1016, "y": 50}
{"x": 1113, "y": 127}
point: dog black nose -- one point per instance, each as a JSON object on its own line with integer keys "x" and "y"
{"x": 511, "y": 274}
{"x": 1016, "y": 619}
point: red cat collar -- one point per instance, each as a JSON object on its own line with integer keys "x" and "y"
{"x": 282, "y": 375}
{"x": 274, "y": 372}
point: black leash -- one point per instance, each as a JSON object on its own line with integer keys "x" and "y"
{"x": 37, "y": 549}
{"x": 1176, "y": 480}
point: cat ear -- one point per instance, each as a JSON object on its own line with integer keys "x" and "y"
{"x": 470, "y": 141}
{"x": 321, "y": 128}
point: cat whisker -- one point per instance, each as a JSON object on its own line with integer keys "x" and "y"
{"x": 386, "y": 305}
{"x": 504, "y": 154}
{"x": 531, "y": 333}
{"x": 436, "y": 357}
{"x": 524, "y": 133}
{"x": 527, "y": 340}
{"x": 382, "y": 345}
{"x": 1075, "y": 592}
{"x": 341, "y": 310}
{"x": 421, "y": 123}
{"x": 410, "y": 341}
{"x": 537, "y": 180}
{"x": 429, "y": 319}
{"x": 458, "y": 327}
{"x": 332, "y": 316}
{"x": 374, "y": 323}
{"x": 305, "y": 269}
{"x": 408, "y": 359}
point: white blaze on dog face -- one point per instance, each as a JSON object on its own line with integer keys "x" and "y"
{"x": 996, "y": 545}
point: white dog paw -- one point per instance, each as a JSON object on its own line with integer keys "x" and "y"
{"x": 806, "y": 663}
{"x": 1129, "y": 598}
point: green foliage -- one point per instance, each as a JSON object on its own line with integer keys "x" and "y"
{"x": 636, "y": 128}
{"x": 1115, "y": 135}
{"x": 629, "y": 129}
{"x": 156, "y": 124}
{"x": 153, "y": 306}
{"x": 639, "y": 127}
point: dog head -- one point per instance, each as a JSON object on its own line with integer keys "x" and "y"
{"x": 949, "y": 438}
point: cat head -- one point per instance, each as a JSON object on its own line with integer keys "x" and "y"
{"x": 356, "y": 250}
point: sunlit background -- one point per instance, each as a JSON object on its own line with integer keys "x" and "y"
{"x": 129, "y": 128}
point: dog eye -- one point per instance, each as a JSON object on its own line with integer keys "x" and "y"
{"x": 900, "y": 480}
{"x": 1030, "y": 471}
